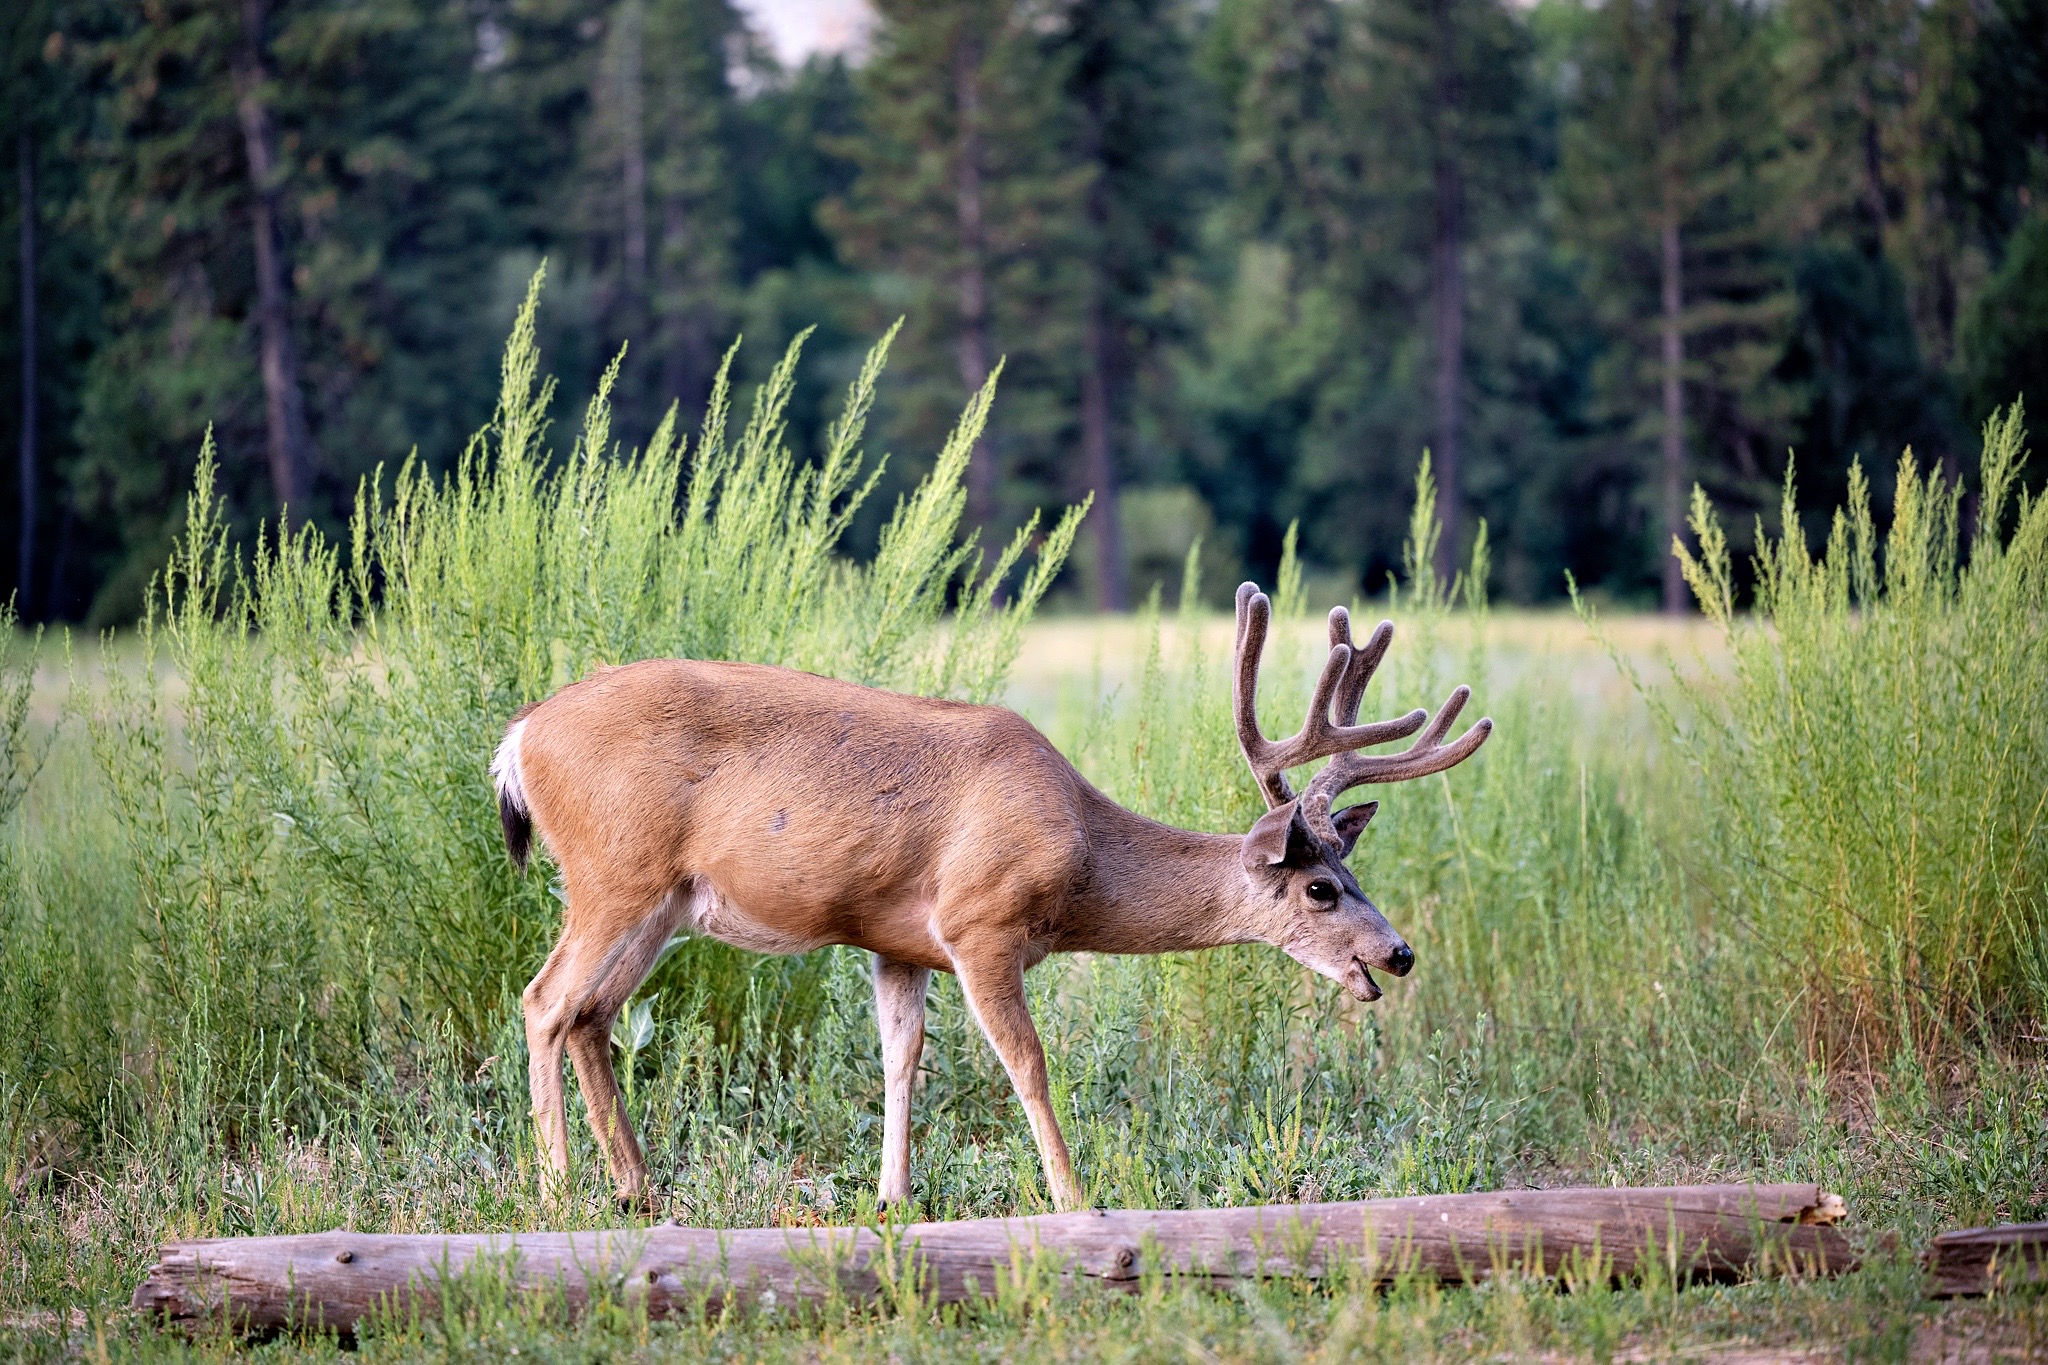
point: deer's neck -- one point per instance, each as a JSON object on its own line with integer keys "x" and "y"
{"x": 1156, "y": 889}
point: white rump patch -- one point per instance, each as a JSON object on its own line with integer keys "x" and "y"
{"x": 505, "y": 769}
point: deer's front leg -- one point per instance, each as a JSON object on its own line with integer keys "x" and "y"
{"x": 899, "y": 1010}
{"x": 994, "y": 987}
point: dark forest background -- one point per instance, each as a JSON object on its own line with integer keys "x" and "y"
{"x": 1242, "y": 260}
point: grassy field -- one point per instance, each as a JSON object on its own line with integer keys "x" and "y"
{"x": 1762, "y": 896}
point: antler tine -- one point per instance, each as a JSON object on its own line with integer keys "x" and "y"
{"x": 1333, "y": 706}
{"x": 1254, "y": 610}
{"x": 1364, "y": 663}
{"x": 1427, "y": 755}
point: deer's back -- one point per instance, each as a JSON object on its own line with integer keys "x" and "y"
{"x": 810, "y": 810}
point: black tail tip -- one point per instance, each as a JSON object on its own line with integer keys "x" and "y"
{"x": 518, "y": 830}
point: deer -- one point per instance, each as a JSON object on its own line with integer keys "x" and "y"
{"x": 780, "y": 811}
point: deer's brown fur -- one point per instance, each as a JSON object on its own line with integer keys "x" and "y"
{"x": 781, "y": 811}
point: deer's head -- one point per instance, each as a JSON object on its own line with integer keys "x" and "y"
{"x": 1294, "y": 856}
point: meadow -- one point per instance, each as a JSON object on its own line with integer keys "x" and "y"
{"x": 1759, "y": 895}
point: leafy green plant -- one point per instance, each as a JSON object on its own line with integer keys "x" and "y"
{"x": 21, "y": 755}
{"x": 1871, "y": 775}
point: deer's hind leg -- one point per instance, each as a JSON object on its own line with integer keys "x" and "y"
{"x": 899, "y": 1011}
{"x": 600, "y": 961}
{"x": 546, "y": 1034}
{"x": 591, "y": 1051}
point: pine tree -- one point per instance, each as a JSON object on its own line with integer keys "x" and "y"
{"x": 1585, "y": 251}
{"x": 1664, "y": 179}
{"x": 31, "y": 106}
{"x": 1850, "y": 68}
{"x": 168, "y": 202}
{"x": 1445, "y": 95}
{"x": 2003, "y": 332}
{"x": 1130, "y": 96}
{"x": 1276, "y": 351}
{"x": 284, "y": 400}
{"x": 205, "y": 69}
{"x": 656, "y": 207}
{"x": 298, "y": 208}
{"x": 1296, "y": 164}
{"x": 1850, "y": 79}
{"x": 31, "y": 396}
{"x": 967, "y": 209}
{"x": 1383, "y": 168}
{"x": 56, "y": 292}
{"x": 1916, "y": 132}
{"x": 1974, "y": 163}
{"x": 2008, "y": 82}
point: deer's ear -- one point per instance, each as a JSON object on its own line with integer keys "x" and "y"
{"x": 1280, "y": 838}
{"x": 1351, "y": 822}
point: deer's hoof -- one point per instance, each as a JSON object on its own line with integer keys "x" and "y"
{"x": 636, "y": 1203}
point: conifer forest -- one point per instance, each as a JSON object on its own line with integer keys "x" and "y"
{"x": 1241, "y": 261}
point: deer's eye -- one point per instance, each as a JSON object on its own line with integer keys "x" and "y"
{"x": 1323, "y": 891}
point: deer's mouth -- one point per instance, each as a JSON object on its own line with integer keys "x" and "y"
{"x": 1360, "y": 983}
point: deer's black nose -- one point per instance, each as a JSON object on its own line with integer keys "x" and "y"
{"x": 1400, "y": 960}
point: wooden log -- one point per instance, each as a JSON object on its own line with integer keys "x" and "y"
{"x": 334, "y": 1280}
{"x": 1972, "y": 1261}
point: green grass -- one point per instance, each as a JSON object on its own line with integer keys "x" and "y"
{"x": 262, "y": 950}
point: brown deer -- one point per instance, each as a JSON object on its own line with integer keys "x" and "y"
{"x": 781, "y": 811}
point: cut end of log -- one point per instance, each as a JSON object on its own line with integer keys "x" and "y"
{"x": 1826, "y": 1211}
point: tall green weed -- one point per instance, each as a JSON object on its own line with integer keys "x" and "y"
{"x": 1871, "y": 778}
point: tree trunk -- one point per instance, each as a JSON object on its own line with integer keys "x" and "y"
{"x": 632, "y": 153}
{"x": 687, "y": 354}
{"x": 1098, "y": 384}
{"x": 1447, "y": 289}
{"x": 52, "y": 600}
{"x": 334, "y": 1280}
{"x": 1874, "y": 197}
{"x": 24, "y": 580}
{"x": 1672, "y": 291}
{"x": 973, "y": 346}
{"x": 1671, "y": 296}
{"x": 1112, "y": 589}
{"x": 284, "y": 405}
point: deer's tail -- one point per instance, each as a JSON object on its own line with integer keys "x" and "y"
{"x": 513, "y": 812}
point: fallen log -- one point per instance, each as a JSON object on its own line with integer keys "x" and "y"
{"x": 334, "y": 1280}
{"x": 1971, "y": 1261}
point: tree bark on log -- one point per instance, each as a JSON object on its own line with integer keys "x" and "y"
{"x": 1973, "y": 1261}
{"x": 335, "y": 1280}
